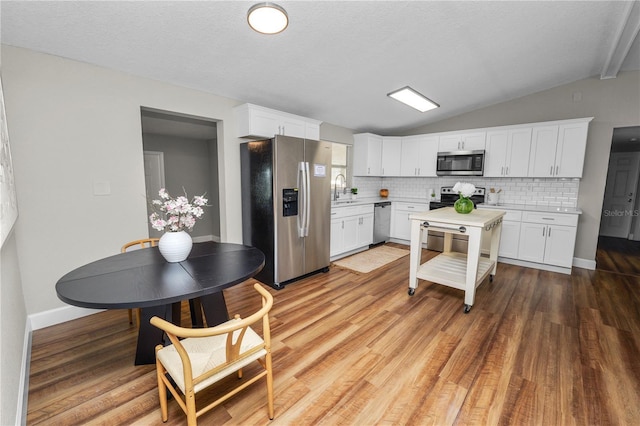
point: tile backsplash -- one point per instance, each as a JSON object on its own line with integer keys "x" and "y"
{"x": 526, "y": 191}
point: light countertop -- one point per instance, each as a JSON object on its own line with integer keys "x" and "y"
{"x": 532, "y": 208}
{"x": 523, "y": 207}
{"x": 447, "y": 215}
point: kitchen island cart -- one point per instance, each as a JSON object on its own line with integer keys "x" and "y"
{"x": 464, "y": 271}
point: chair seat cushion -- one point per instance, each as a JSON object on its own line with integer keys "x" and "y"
{"x": 207, "y": 353}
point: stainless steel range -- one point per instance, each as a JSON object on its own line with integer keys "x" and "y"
{"x": 448, "y": 198}
{"x": 435, "y": 240}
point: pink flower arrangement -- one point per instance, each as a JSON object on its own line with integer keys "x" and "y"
{"x": 176, "y": 214}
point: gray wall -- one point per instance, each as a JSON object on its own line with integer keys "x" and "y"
{"x": 187, "y": 164}
{"x": 613, "y": 103}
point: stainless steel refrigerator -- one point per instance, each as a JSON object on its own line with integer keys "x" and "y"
{"x": 286, "y": 205}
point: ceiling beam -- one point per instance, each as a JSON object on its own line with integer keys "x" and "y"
{"x": 627, "y": 33}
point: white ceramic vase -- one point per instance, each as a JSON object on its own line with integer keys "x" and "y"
{"x": 175, "y": 246}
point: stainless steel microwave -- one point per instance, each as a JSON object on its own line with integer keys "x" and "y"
{"x": 460, "y": 163}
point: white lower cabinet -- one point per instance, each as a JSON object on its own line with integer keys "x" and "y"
{"x": 548, "y": 238}
{"x": 400, "y": 222}
{"x": 351, "y": 228}
{"x": 538, "y": 237}
{"x": 510, "y": 235}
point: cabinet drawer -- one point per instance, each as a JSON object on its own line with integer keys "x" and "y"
{"x": 512, "y": 216}
{"x": 509, "y": 216}
{"x": 338, "y": 212}
{"x": 412, "y": 207}
{"x": 550, "y": 218}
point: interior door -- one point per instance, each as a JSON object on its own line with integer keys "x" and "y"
{"x": 620, "y": 194}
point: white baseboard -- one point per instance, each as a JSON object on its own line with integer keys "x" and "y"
{"x": 59, "y": 315}
{"x": 584, "y": 263}
{"x": 541, "y": 266}
{"x": 23, "y": 391}
{"x": 203, "y": 238}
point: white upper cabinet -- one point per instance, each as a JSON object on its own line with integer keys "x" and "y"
{"x": 462, "y": 141}
{"x": 553, "y": 149}
{"x": 507, "y": 152}
{"x": 367, "y": 154}
{"x": 254, "y": 121}
{"x": 419, "y": 156}
{"x": 558, "y": 150}
{"x": 391, "y": 153}
{"x": 571, "y": 148}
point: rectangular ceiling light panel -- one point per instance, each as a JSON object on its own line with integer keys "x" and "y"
{"x": 410, "y": 97}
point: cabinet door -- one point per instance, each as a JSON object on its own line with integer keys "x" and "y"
{"x": 428, "y": 156}
{"x": 337, "y": 236}
{"x": 462, "y": 141}
{"x": 473, "y": 141}
{"x": 264, "y": 123}
{"x": 367, "y": 155}
{"x": 532, "y": 241}
{"x": 419, "y": 156}
{"x": 496, "y": 153}
{"x": 365, "y": 230}
{"x": 560, "y": 245}
{"x": 447, "y": 143}
{"x": 572, "y": 144}
{"x": 290, "y": 126}
{"x": 404, "y": 228}
{"x": 391, "y": 153}
{"x": 509, "y": 240}
{"x": 350, "y": 230}
{"x": 517, "y": 160}
{"x": 312, "y": 131}
{"x": 409, "y": 156}
{"x": 543, "y": 151}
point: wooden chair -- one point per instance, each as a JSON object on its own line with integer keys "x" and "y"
{"x": 138, "y": 244}
{"x": 206, "y": 355}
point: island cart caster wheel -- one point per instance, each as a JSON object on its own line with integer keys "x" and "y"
{"x": 467, "y": 308}
{"x": 412, "y": 291}
{"x": 490, "y": 278}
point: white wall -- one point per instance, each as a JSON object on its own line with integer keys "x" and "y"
{"x": 613, "y": 103}
{"x": 73, "y": 125}
{"x": 13, "y": 320}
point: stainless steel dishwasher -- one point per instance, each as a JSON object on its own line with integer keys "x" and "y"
{"x": 381, "y": 222}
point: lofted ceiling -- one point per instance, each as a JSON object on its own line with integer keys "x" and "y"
{"x": 337, "y": 60}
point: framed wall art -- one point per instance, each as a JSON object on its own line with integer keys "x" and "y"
{"x": 8, "y": 199}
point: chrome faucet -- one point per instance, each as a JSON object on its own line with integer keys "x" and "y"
{"x": 335, "y": 186}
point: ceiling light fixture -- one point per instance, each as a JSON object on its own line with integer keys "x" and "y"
{"x": 267, "y": 18}
{"x": 416, "y": 100}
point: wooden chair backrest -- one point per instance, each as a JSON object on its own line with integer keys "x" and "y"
{"x": 143, "y": 243}
{"x": 175, "y": 333}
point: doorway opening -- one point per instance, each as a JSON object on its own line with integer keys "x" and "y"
{"x": 181, "y": 155}
{"x": 619, "y": 235}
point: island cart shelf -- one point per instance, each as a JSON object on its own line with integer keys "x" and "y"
{"x": 458, "y": 270}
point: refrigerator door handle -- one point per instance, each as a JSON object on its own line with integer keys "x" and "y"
{"x": 301, "y": 181}
{"x": 307, "y": 199}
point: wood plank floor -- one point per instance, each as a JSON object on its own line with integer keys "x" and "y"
{"x": 618, "y": 255}
{"x": 538, "y": 348}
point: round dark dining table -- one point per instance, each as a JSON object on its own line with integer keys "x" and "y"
{"x": 144, "y": 279}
